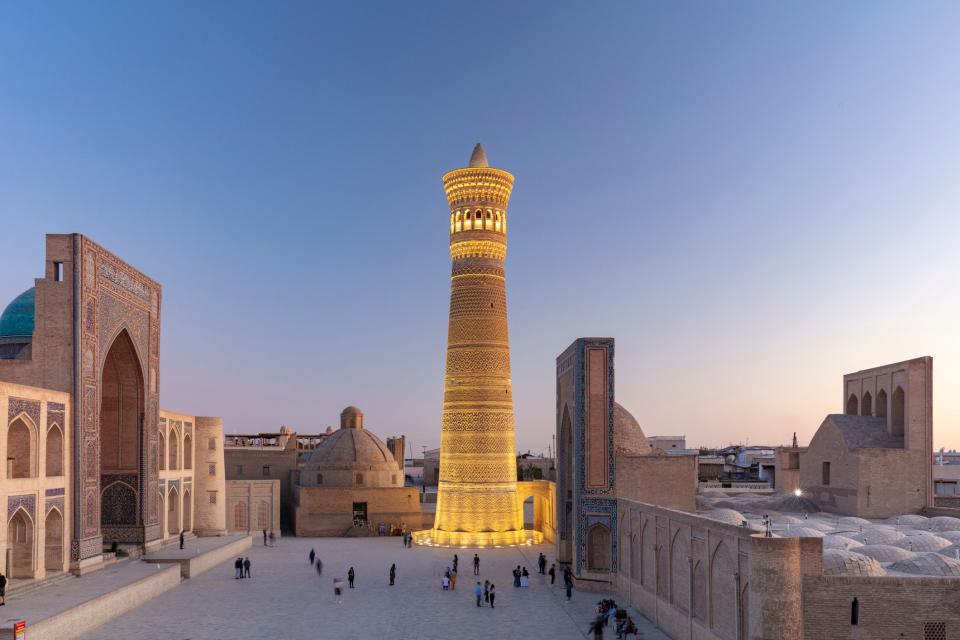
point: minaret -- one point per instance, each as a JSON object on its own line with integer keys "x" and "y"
{"x": 477, "y": 501}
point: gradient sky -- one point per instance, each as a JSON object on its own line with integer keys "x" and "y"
{"x": 752, "y": 198}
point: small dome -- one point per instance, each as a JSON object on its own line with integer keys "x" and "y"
{"x": 800, "y": 532}
{"x": 952, "y": 536}
{"x": 928, "y": 564}
{"x": 884, "y": 553}
{"x": 877, "y": 535}
{"x": 943, "y": 523}
{"x": 730, "y": 516}
{"x": 351, "y": 418}
{"x": 922, "y": 541}
{"x": 837, "y": 562}
{"x": 834, "y": 541}
{"x": 351, "y": 457}
{"x": 908, "y": 520}
{"x": 17, "y": 319}
{"x": 627, "y": 435}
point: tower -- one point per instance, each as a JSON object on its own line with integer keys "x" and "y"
{"x": 477, "y": 502}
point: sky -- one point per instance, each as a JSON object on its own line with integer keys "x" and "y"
{"x": 751, "y": 198}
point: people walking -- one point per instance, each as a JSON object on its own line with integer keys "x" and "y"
{"x": 181, "y": 539}
{"x": 596, "y": 628}
{"x": 476, "y": 565}
{"x": 553, "y": 573}
{"x": 313, "y": 554}
{"x": 246, "y": 567}
{"x": 568, "y": 583}
{"x": 492, "y": 595}
{"x": 238, "y": 568}
{"x": 350, "y": 576}
{"x": 393, "y": 574}
{"x": 319, "y": 567}
{"x": 478, "y": 591}
{"x": 337, "y": 589}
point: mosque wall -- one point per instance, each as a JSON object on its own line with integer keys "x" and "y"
{"x": 210, "y": 478}
{"x": 328, "y": 511}
{"x": 35, "y": 443}
{"x": 887, "y": 608}
{"x": 667, "y": 481}
{"x": 252, "y": 506}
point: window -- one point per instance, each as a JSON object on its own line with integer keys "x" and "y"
{"x": 359, "y": 479}
{"x": 213, "y": 496}
{"x": 896, "y": 412}
{"x": 266, "y": 470}
{"x": 855, "y": 612}
{"x": 319, "y": 478}
{"x": 393, "y": 479}
{"x": 212, "y": 444}
{"x": 934, "y": 631}
{"x": 212, "y": 468}
{"x": 57, "y": 271}
{"x": 826, "y": 474}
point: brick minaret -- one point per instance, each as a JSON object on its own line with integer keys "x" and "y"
{"x": 477, "y": 501}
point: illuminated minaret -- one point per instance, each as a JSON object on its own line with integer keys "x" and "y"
{"x": 477, "y": 496}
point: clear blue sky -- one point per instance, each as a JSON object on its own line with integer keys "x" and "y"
{"x": 752, "y": 198}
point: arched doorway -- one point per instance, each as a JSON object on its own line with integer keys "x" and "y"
{"x": 881, "y": 404}
{"x": 53, "y": 541}
{"x": 187, "y": 510}
{"x": 565, "y": 488}
{"x": 173, "y": 511}
{"x": 897, "y": 412}
{"x": 187, "y": 452}
{"x": 121, "y": 417}
{"x": 21, "y": 448}
{"x": 598, "y": 548}
{"x": 852, "y": 405}
{"x": 866, "y": 406}
{"x": 174, "y": 446}
{"x": 54, "y": 466}
{"x": 20, "y": 541}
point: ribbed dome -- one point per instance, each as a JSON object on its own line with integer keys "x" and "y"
{"x": 351, "y": 457}
{"x": 18, "y": 318}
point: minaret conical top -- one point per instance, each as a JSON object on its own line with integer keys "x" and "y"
{"x": 478, "y": 159}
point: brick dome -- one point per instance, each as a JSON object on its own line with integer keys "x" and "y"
{"x": 351, "y": 457}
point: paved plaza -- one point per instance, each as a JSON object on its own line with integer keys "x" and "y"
{"x": 286, "y": 599}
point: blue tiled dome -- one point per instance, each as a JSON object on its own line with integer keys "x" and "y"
{"x": 17, "y": 318}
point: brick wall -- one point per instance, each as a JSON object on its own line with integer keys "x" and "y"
{"x": 665, "y": 481}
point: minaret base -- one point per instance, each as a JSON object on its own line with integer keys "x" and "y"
{"x": 477, "y": 539}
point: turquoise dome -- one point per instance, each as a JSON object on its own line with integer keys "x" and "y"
{"x": 17, "y": 318}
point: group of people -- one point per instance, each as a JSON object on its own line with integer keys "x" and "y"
{"x": 521, "y": 578}
{"x": 351, "y": 576}
{"x": 242, "y": 567}
{"x": 485, "y": 593}
{"x": 271, "y": 537}
{"x": 608, "y": 610}
{"x": 407, "y": 539}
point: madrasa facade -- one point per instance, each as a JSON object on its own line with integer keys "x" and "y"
{"x": 94, "y": 466}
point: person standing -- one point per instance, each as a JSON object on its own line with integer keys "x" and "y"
{"x": 524, "y": 578}
{"x": 455, "y": 561}
{"x": 568, "y": 583}
{"x": 181, "y": 539}
{"x": 264, "y": 537}
{"x": 542, "y": 562}
{"x": 516, "y": 577}
{"x": 492, "y": 595}
{"x": 337, "y": 589}
{"x": 246, "y": 567}
{"x": 476, "y": 565}
{"x": 486, "y": 591}
{"x": 238, "y": 569}
{"x": 393, "y": 574}
{"x": 313, "y": 555}
{"x": 3, "y": 589}
{"x": 553, "y": 573}
{"x": 453, "y": 577}
{"x": 350, "y": 576}
{"x": 271, "y": 539}
{"x": 478, "y": 591}
{"x": 319, "y": 567}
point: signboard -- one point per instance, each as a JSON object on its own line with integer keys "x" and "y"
{"x": 20, "y": 630}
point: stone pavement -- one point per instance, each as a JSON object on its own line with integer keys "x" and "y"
{"x": 191, "y": 548}
{"x": 286, "y": 599}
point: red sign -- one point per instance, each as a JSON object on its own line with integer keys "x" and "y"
{"x": 20, "y": 630}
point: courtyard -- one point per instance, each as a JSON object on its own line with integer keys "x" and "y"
{"x": 285, "y": 598}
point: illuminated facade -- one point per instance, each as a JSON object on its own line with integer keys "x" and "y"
{"x": 477, "y": 499}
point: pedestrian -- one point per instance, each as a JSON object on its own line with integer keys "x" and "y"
{"x": 453, "y": 577}
{"x": 568, "y": 585}
{"x": 238, "y": 568}
{"x": 393, "y": 574}
{"x": 455, "y": 561}
{"x": 181, "y": 539}
{"x": 319, "y": 567}
{"x": 543, "y": 563}
{"x": 524, "y": 579}
{"x": 350, "y": 576}
{"x": 553, "y": 573}
{"x": 476, "y": 565}
{"x": 246, "y": 567}
{"x": 3, "y": 590}
{"x": 445, "y": 582}
{"x": 264, "y": 537}
{"x": 478, "y": 591}
{"x": 337, "y": 589}
{"x": 271, "y": 538}
{"x": 596, "y": 628}
{"x": 492, "y": 595}
{"x": 313, "y": 554}
{"x": 486, "y": 591}
{"x": 516, "y": 577}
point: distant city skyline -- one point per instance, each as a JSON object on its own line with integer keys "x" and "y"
{"x": 751, "y": 202}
